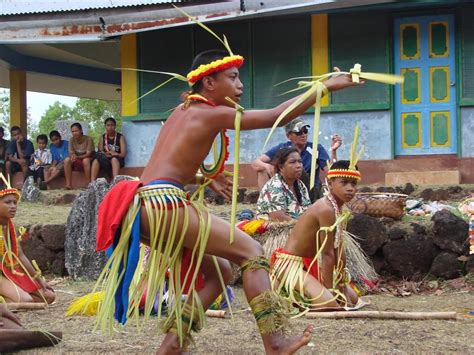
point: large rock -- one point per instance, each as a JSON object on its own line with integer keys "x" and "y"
{"x": 34, "y": 249}
{"x": 58, "y": 266}
{"x": 434, "y": 195}
{"x": 410, "y": 256}
{"x": 29, "y": 192}
{"x": 252, "y": 197}
{"x": 446, "y": 265}
{"x": 370, "y": 230}
{"x": 53, "y": 236}
{"x": 450, "y": 232}
{"x": 81, "y": 259}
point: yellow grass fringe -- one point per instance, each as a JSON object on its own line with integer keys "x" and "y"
{"x": 271, "y": 312}
{"x": 167, "y": 231}
{"x": 86, "y": 305}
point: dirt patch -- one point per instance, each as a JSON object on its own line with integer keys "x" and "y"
{"x": 239, "y": 335}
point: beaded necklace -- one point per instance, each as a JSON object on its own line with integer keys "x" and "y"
{"x": 221, "y": 153}
{"x": 341, "y": 226}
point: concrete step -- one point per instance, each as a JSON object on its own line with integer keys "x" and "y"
{"x": 439, "y": 177}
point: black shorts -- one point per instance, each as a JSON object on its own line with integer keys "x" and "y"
{"x": 15, "y": 167}
{"x": 104, "y": 161}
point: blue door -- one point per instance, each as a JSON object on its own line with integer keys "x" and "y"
{"x": 425, "y": 104}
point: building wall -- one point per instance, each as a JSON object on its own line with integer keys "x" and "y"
{"x": 467, "y": 132}
{"x": 375, "y": 131}
{"x": 376, "y": 122}
{"x": 141, "y": 137}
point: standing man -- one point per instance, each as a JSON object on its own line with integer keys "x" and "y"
{"x": 19, "y": 152}
{"x": 297, "y": 134}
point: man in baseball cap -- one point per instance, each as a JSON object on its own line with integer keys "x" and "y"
{"x": 297, "y": 134}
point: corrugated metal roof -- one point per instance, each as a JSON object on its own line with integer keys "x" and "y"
{"x": 19, "y": 7}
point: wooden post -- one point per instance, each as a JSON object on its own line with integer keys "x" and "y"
{"x": 215, "y": 314}
{"x": 25, "y": 306}
{"x": 382, "y": 315}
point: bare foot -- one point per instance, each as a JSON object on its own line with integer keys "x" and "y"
{"x": 67, "y": 187}
{"x": 276, "y": 344}
{"x": 170, "y": 345}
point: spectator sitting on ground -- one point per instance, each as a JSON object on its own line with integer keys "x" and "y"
{"x": 3, "y": 150}
{"x": 40, "y": 160}
{"x": 81, "y": 152}
{"x": 61, "y": 164}
{"x": 284, "y": 197}
{"x": 19, "y": 152}
{"x": 297, "y": 134}
{"x": 111, "y": 151}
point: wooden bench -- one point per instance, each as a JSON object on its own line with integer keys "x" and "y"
{"x": 78, "y": 179}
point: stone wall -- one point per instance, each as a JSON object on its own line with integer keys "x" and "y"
{"x": 412, "y": 250}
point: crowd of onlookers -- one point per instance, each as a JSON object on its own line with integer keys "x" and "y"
{"x": 62, "y": 157}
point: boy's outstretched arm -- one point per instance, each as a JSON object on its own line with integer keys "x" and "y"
{"x": 223, "y": 117}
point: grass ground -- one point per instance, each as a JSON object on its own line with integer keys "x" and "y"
{"x": 239, "y": 335}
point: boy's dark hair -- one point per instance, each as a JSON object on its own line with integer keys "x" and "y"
{"x": 15, "y": 129}
{"x": 279, "y": 159}
{"x": 342, "y": 164}
{"x": 206, "y": 58}
{"x": 54, "y": 133}
{"x": 42, "y": 137}
{"x": 77, "y": 124}
{"x": 110, "y": 119}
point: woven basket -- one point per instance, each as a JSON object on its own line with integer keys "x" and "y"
{"x": 379, "y": 204}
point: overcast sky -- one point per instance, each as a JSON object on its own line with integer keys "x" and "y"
{"x": 38, "y": 103}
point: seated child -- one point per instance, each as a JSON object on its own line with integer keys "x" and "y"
{"x": 19, "y": 280}
{"x": 40, "y": 160}
{"x": 61, "y": 163}
{"x": 311, "y": 268}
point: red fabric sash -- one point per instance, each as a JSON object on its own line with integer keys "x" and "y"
{"x": 16, "y": 274}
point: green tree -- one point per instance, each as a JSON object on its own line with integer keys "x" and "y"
{"x": 55, "y": 112}
{"x": 94, "y": 112}
{"x": 91, "y": 111}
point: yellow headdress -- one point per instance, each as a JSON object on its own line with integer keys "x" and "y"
{"x": 213, "y": 67}
{"x": 351, "y": 172}
{"x": 8, "y": 190}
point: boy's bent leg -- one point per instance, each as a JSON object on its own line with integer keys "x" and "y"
{"x": 13, "y": 293}
{"x": 211, "y": 290}
{"x": 246, "y": 252}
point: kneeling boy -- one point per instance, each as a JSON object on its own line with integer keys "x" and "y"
{"x": 311, "y": 268}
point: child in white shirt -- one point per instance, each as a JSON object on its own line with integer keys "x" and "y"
{"x": 40, "y": 160}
